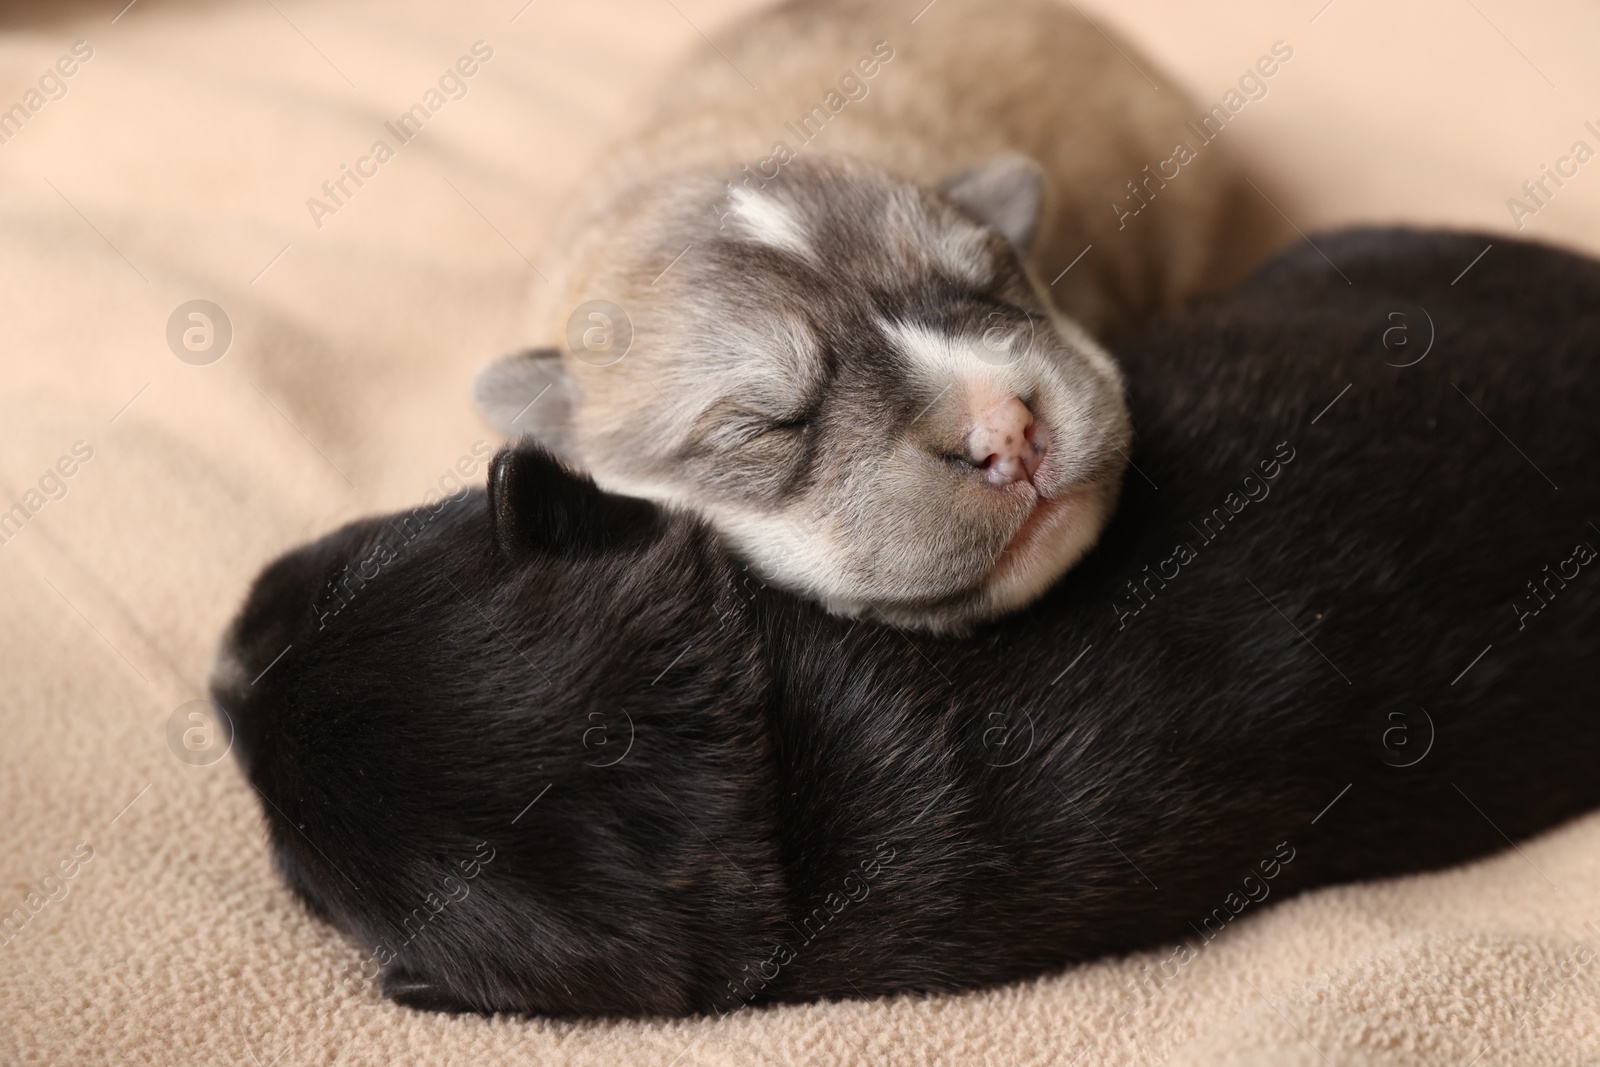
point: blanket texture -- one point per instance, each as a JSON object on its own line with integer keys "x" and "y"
{"x": 210, "y": 355}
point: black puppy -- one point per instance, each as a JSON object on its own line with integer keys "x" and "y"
{"x": 552, "y": 750}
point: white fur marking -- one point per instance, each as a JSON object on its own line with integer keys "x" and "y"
{"x": 942, "y": 358}
{"x": 769, "y": 222}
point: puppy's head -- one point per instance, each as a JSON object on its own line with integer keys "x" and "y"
{"x": 489, "y": 734}
{"x": 855, "y": 379}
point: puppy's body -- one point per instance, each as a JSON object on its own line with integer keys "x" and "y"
{"x": 1274, "y": 672}
{"x": 966, "y": 83}
{"x": 834, "y": 315}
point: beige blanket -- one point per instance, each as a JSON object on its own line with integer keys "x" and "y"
{"x": 167, "y": 153}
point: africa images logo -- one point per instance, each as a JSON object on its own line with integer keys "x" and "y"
{"x": 452, "y": 85}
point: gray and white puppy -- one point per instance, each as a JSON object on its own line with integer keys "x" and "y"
{"x": 850, "y": 316}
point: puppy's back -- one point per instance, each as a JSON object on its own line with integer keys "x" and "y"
{"x": 964, "y": 83}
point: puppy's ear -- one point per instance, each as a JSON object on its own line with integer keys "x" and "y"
{"x": 538, "y": 505}
{"x": 528, "y": 392}
{"x": 1006, "y": 193}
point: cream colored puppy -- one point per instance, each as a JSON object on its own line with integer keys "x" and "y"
{"x": 841, "y": 292}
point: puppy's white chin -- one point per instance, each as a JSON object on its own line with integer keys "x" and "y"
{"x": 1059, "y": 531}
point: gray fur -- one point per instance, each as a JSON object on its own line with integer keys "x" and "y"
{"x": 1006, "y": 193}
{"x": 817, "y": 323}
{"x": 527, "y": 393}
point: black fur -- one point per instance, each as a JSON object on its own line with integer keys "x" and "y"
{"x": 737, "y": 798}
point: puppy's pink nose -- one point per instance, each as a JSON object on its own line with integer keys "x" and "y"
{"x": 1006, "y": 444}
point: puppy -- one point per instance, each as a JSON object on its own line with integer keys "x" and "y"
{"x": 850, "y": 318}
{"x": 559, "y": 752}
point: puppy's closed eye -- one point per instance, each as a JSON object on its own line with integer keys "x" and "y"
{"x": 785, "y": 426}
{"x": 727, "y": 425}
{"x": 748, "y": 451}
